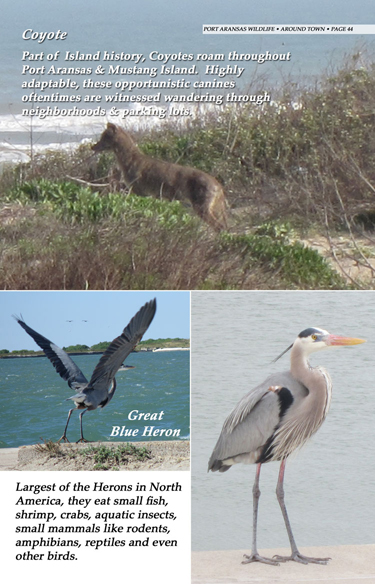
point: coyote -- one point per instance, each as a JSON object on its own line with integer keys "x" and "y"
{"x": 149, "y": 176}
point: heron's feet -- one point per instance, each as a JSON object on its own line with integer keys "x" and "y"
{"x": 298, "y": 557}
{"x": 257, "y": 558}
{"x": 82, "y": 440}
{"x": 63, "y": 438}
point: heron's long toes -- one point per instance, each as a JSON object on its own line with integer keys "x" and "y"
{"x": 257, "y": 558}
{"x": 298, "y": 557}
{"x": 82, "y": 440}
{"x": 64, "y": 438}
{"x": 292, "y": 558}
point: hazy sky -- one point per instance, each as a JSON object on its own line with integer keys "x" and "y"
{"x": 106, "y": 313}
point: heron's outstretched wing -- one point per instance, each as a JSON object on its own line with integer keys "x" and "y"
{"x": 119, "y": 349}
{"x": 61, "y": 361}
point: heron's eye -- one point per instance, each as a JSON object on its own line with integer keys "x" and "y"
{"x": 314, "y": 337}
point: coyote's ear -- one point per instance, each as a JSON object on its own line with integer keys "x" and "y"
{"x": 111, "y": 127}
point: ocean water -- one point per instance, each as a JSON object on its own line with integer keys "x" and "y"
{"x": 162, "y": 26}
{"x": 330, "y": 483}
{"x": 33, "y": 398}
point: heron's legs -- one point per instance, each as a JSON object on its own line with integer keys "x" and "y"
{"x": 296, "y": 556}
{"x": 82, "y": 439}
{"x": 63, "y": 437}
{"x": 254, "y": 556}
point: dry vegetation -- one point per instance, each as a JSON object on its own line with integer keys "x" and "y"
{"x": 111, "y": 456}
{"x": 299, "y": 174}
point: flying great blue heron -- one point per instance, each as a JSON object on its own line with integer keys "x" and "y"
{"x": 276, "y": 418}
{"x": 101, "y": 388}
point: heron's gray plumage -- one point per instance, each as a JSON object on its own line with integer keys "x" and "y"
{"x": 99, "y": 391}
{"x": 257, "y": 418}
{"x": 277, "y": 417}
{"x": 252, "y": 422}
{"x": 61, "y": 361}
{"x": 119, "y": 349}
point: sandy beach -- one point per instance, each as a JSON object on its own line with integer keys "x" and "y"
{"x": 168, "y": 455}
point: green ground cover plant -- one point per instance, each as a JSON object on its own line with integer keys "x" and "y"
{"x": 300, "y": 167}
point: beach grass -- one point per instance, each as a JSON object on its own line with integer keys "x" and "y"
{"x": 298, "y": 169}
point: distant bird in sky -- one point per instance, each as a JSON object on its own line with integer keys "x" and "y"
{"x": 274, "y": 419}
{"x": 101, "y": 388}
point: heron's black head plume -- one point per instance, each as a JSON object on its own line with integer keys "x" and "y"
{"x": 311, "y": 331}
{"x": 283, "y": 353}
{"x": 304, "y": 334}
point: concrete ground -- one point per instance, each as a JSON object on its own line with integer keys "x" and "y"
{"x": 351, "y": 564}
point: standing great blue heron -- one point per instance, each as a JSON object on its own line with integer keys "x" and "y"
{"x": 101, "y": 388}
{"x": 274, "y": 419}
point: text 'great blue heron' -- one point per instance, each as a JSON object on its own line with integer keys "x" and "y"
{"x": 274, "y": 419}
{"x": 101, "y": 388}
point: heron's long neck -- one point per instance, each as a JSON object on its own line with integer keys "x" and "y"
{"x": 316, "y": 380}
{"x": 300, "y": 367}
{"x": 304, "y": 420}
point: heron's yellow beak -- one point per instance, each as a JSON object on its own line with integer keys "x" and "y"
{"x": 335, "y": 340}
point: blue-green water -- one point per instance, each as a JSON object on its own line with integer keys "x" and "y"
{"x": 33, "y": 398}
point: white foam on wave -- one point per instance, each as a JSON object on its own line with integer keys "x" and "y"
{"x": 68, "y": 132}
{"x": 58, "y": 124}
{"x": 60, "y": 132}
{"x": 17, "y": 153}
{"x": 82, "y": 124}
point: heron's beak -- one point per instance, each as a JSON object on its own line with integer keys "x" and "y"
{"x": 335, "y": 340}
